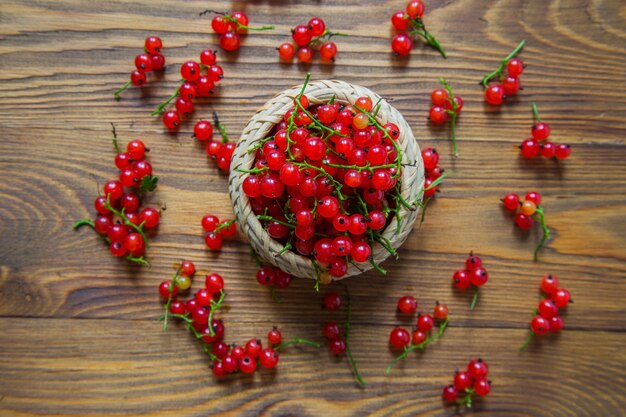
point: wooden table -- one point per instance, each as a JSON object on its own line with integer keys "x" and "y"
{"x": 78, "y": 329}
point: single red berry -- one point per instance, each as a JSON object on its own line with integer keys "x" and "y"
{"x": 562, "y": 151}
{"x": 301, "y": 35}
{"x": 523, "y": 221}
{"x": 187, "y": 269}
{"x": 136, "y": 149}
{"x": 462, "y": 380}
{"x": 149, "y": 217}
{"x": 171, "y": 119}
{"x": 328, "y": 51}
{"x": 511, "y": 85}
{"x": 331, "y": 330}
{"x": 540, "y": 131}
{"x": 215, "y": 73}
{"x": 539, "y": 325}
{"x": 401, "y": 44}
{"x": 440, "y": 312}
{"x": 415, "y": 9}
{"x": 515, "y": 67}
{"x": 210, "y": 222}
{"x": 332, "y": 301}
{"x": 317, "y": 26}
{"x": 265, "y": 275}
{"x": 547, "y": 149}
{"x": 221, "y": 25}
{"x": 177, "y": 307}
{"x": 425, "y": 322}
{"x": 158, "y": 62}
{"x": 305, "y": 55}
{"x": 214, "y": 283}
{"x": 399, "y": 338}
{"x": 254, "y": 347}
{"x": 113, "y": 190}
{"x": 153, "y": 45}
{"x": 562, "y": 298}
{"x": 247, "y": 364}
{"x": 430, "y": 157}
{"x": 274, "y": 337}
{"x": 217, "y": 367}
{"x": 164, "y": 290}
{"x": 134, "y": 242}
{"x": 138, "y": 78}
{"x": 268, "y": 358}
{"x": 547, "y": 308}
{"x": 461, "y": 279}
{"x": 549, "y": 284}
{"x": 477, "y": 368}
{"x": 438, "y": 114}
{"x": 473, "y": 262}
{"x": 556, "y": 324}
{"x": 213, "y": 240}
{"x": 337, "y": 346}
{"x": 143, "y": 63}
{"x": 494, "y": 94}
{"x": 418, "y": 337}
{"x": 407, "y": 304}
{"x": 102, "y": 224}
{"x": 533, "y": 196}
{"x": 482, "y": 387}
{"x": 203, "y": 130}
{"x": 361, "y": 251}
{"x": 242, "y": 21}
{"x": 399, "y": 21}
{"x": 190, "y": 71}
{"x": 439, "y": 97}
{"x": 208, "y": 57}
{"x": 230, "y": 41}
{"x": 449, "y": 394}
{"x": 511, "y": 201}
{"x": 478, "y": 276}
{"x": 286, "y": 51}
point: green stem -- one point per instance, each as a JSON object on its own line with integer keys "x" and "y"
{"x": 240, "y": 26}
{"x": 353, "y": 364}
{"x": 171, "y": 295}
{"x": 452, "y": 112}
{"x": 475, "y": 298}
{"x": 420, "y": 30}
{"x": 467, "y": 400}
{"x": 116, "y": 93}
{"x": 297, "y": 341}
{"x": 138, "y": 229}
{"x": 421, "y": 346}
{"x": 84, "y": 222}
{"x": 500, "y": 69}
{"x": 546, "y": 232}
{"x": 530, "y": 337}
{"x": 377, "y": 267}
{"x": 224, "y": 225}
{"x": 214, "y": 307}
{"x": 221, "y": 127}
{"x": 140, "y": 260}
{"x": 178, "y": 316}
{"x": 116, "y": 145}
{"x": 536, "y": 113}
{"x": 266, "y": 218}
{"x": 161, "y": 107}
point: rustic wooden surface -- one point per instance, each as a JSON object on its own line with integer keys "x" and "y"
{"x": 78, "y": 334}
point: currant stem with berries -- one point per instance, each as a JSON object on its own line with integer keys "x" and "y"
{"x": 421, "y": 346}
{"x": 498, "y": 72}
{"x": 160, "y": 109}
{"x": 234, "y": 21}
{"x": 171, "y": 295}
{"x": 419, "y": 29}
{"x": 546, "y": 232}
{"x": 221, "y": 127}
{"x": 297, "y": 341}
{"x": 453, "y": 112}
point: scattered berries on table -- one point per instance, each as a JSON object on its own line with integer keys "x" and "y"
{"x": 539, "y": 144}
{"x": 526, "y": 212}
{"x": 215, "y": 231}
{"x": 307, "y": 38}
{"x": 230, "y": 27}
{"x": 506, "y": 84}
{"x": 150, "y": 60}
{"x": 474, "y": 275}
{"x": 446, "y": 107}
{"x": 412, "y": 27}
{"x": 467, "y": 383}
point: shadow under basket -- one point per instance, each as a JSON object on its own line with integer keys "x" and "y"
{"x": 321, "y": 92}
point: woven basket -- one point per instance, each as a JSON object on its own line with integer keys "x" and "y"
{"x": 271, "y": 114}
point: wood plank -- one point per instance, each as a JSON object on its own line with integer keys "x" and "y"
{"x": 142, "y": 370}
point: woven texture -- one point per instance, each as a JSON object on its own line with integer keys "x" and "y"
{"x": 261, "y": 124}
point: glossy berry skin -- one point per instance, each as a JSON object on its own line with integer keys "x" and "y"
{"x": 247, "y": 364}
{"x": 203, "y": 130}
{"x": 274, "y": 337}
{"x": 515, "y": 67}
{"x": 511, "y": 201}
{"x": 190, "y": 71}
{"x": 511, "y": 85}
{"x": 418, "y": 337}
{"x": 494, "y": 94}
{"x": 399, "y": 338}
{"x": 305, "y": 55}
{"x": 562, "y": 151}
{"x": 332, "y": 301}
{"x": 171, "y": 120}
{"x": 401, "y": 44}
{"x": 214, "y": 283}
{"x": 328, "y": 51}
{"x": 482, "y": 387}
{"x": 415, "y": 9}
{"x": 218, "y": 369}
{"x": 138, "y": 78}
{"x": 149, "y": 217}
{"x": 164, "y": 290}
{"x": 213, "y": 240}
{"x": 473, "y": 262}
{"x": 562, "y": 298}
{"x": 449, "y": 394}
{"x": 425, "y": 322}
{"x": 153, "y": 45}
{"x": 477, "y": 369}
{"x": 265, "y": 275}
{"x": 331, "y": 330}
{"x": 547, "y": 309}
{"x": 539, "y": 325}
{"x": 438, "y": 114}
{"x": 440, "y": 312}
{"x": 523, "y": 221}
{"x": 187, "y": 269}
{"x": 533, "y": 196}
{"x": 479, "y": 276}
{"x": 430, "y": 158}
{"x": 143, "y": 63}
{"x": 530, "y": 148}
{"x": 337, "y": 346}
{"x": 461, "y": 279}
{"x": 286, "y": 51}
{"x": 462, "y": 380}
{"x": 254, "y": 347}
{"x": 210, "y": 222}
{"x": 548, "y": 149}
{"x": 301, "y": 35}
{"x": 208, "y": 57}
{"x": 230, "y": 41}
{"x": 268, "y": 358}
{"x": 540, "y": 131}
{"x": 399, "y": 21}
{"x": 158, "y": 62}
{"x": 556, "y": 324}
{"x": 407, "y": 304}
{"x": 549, "y": 284}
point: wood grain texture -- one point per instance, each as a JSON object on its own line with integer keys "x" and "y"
{"x": 78, "y": 334}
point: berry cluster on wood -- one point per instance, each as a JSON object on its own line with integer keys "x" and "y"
{"x": 467, "y": 383}
{"x": 508, "y": 84}
{"x": 150, "y": 60}
{"x": 198, "y": 314}
{"x": 446, "y": 107}
{"x": 121, "y": 222}
{"x": 525, "y": 213}
{"x": 474, "y": 275}
{"x": 308, "y": 37}
{"x": 547, "y": 317}
{"x": 215, "y": 231}
{"x": 539, "y": 144}
{"x": 411, "y": 21}
{"x": 401, "y": 339}
{"x": 220, "y": 151}
{"x": 230, "y": 27}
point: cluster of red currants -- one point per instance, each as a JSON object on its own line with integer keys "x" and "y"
{"x": 411, "y": 21}
{"x": 325, "y": 180}
{"x": 332, "y": 332}
{"x": 219, "y": 151}
{"x": 230, "y": 27}
{"x": 524, "y": 213}
{"x": 547, "y": 318}
{"x": 215, "y": 231}
{"x": 198, "y": 311}
{"x": 305, "y": 38}
{"x": 198, "y": 81}
{"x": 474, "y": 275}
{"x": 508, "y": 84}
{"x": 467, "y": 383}
{"x": 434, "y": 173}
{"x": 150, "y": 60}
{"x": 539, "y": 144}
{"x": 271, "y": 276}
{"x": 446, "y": 107}
{"x": 401, "y": 339}
{"x": 121, "y": 222}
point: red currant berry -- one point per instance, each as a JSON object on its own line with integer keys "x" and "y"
{"x": 438, "y": 114}
{"x": 539, "y": 325}
{"x": 440, "y": 312}
{"x": 401, "y": 44}
{"x": 342, "y": 246}
{"x": 425, "y": 322}
{"x": 523, "y": 221}
{"x": 305, "y": 55}
{"x": 213, "y": 241}
{"x": 549, "y": 284}
{"x": 511, "y": 85}
{"x": 515, "y": 67}
{"x": 562, "y": 298}
{"x": 361, "y": 251}
{"x": 461, "y": 279}
{"x": 247, "y": 364}
{"x": 187, "y": 269}
{"x": 165, "y": 291}
{"x": 102, "y": 224}
{"x": 203, "y": 130}
{"x": 337, "y": 346}
{"x": 177, "y": 307}
{"x": 208, "y": 57}
{"x": 482, "y": 387}
{"x": 215, "y": 73}
{"x": 113, "y": 190}
{"x": 439, "y": 97}
{"x": 254, "y": 347}
{"x": 399, "y": 20}
{"x": 218, "y": 370}
{"x": 136, "y": 149}
{"x": 547, "y": 308}
{"x": 547, "y": 149}
{"x": 540, "y": 131}
{"x": 158, "y": 62}
{"x": 190, "y": 71}
{"x": 317, "y": 26}
{"x": 274, "y": 337}
{"x": 265, "y": 275}
{"x": 301, "y": 35}
{"x": 418, "y": 337}
{"x": 511, "y": 201}
{"x": 268, "y": 358}
{"x": 462, "y": 380}
{"x": 473, "y": 262}
{"x": 153, "y": 45}
{"x": 430, "y": 157}
{"x": 477, "y": 369}
{"x": 149, "y": 217}
{"x": 449, "y": 394}
{"x": 494, "y": 94}
{"x": 138, "y": 78}
{"x": 331, "y": 330}
{"x": 143, "y": 63}
{"x": 415, "y": 9}
{"x": 220, "y": 25}
{"x": 556, "y": 324}
{"x": 252, "y": 186}
{"x": 171, "y": 119}
{"x": 332, "y": 301}
{"x": 328, "y": 51}
{"x": 533, "y": 196}
{"x": 230, "y": 41}
{"x": 134, "y": 242}
{"x": 399, "y": 338}
{"x": 478, "y": 276}
{"x": 407, "y": 304}
{"x": 214, "y": 283}
{"x": 210, "y": 222}
{"x": 562, "y": 151}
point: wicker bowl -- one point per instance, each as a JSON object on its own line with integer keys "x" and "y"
{"x": 271, "y": 114}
